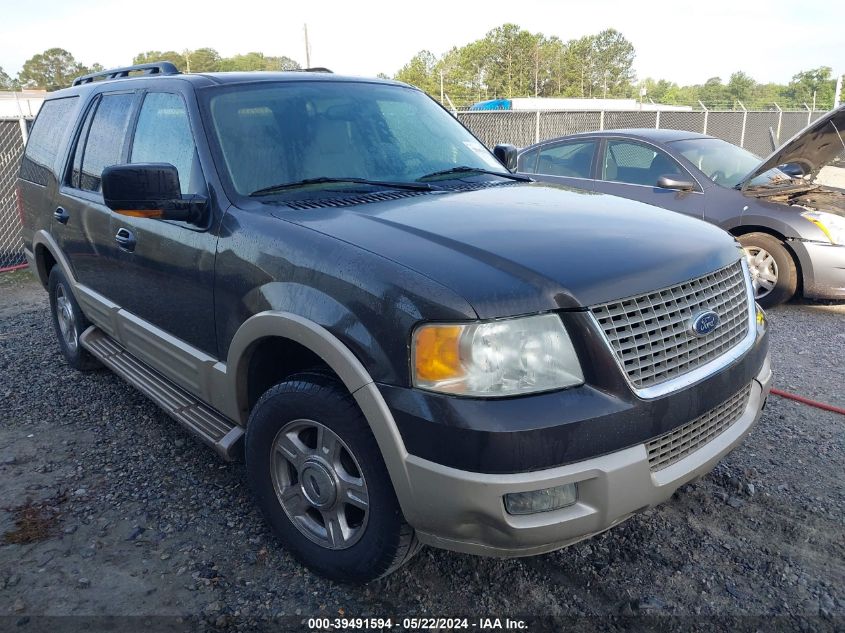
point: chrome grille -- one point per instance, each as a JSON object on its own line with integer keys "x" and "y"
{"x": 675, "y": 445}
{"x": 651, "y": 334}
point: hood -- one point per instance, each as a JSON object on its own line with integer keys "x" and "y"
{"x": 524, "y": 248}
{"x": 815, "y": 146}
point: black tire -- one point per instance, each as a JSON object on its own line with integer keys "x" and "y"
{"x": 62, "y": 300}
{"x": 786, "y": 272}
{"x": 386, "y": 541}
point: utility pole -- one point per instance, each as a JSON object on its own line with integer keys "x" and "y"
{"x": 837, "y": 95}
{"x": 187, "y": 55}
{"x": 441, "y": 87}
{"x": 307, "y": 49}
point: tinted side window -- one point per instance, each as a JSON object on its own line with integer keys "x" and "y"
{"x": 528, "y": 162}
{"x": 567, "y": 159}
{"x": 104, "y": 146}
{"x": 163, "y": 135}
{"x": 636, "y": 164}
{"x": 44, "y": 138}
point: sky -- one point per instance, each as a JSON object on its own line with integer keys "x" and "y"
{"x": 681, "y": 41}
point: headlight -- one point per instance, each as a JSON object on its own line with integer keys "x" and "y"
{"x": 833, "y": 226}
{"x": 496, "y": 358}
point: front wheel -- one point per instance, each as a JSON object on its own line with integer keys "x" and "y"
{"x": 320, "y": 481}
{"x": 773, "y": 272}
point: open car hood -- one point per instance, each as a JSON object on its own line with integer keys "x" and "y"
{"x": 820, "y": 143}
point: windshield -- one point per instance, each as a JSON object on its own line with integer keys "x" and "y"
{"x": 271, "y": 134}
{"x": 726, "y": 164}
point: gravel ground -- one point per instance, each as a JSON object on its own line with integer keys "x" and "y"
{"x": 109, "y": 508}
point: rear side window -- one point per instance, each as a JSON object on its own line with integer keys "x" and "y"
{"x": 44, "y": 138}
{"x": 163, "y": 135}
{"x": 102, "y": 143}
{"x": 636, "y": 164}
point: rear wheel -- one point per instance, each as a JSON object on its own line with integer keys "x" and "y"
{"x": 319, "y": 478}
{"x": 773, "y": 271}
{"x": 69, "y": 322}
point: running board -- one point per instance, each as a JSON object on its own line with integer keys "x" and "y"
{"x": 206, "y": 423}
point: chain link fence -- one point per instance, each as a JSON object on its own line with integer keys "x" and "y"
{"x": 748, "y": 129}
{"x": 752, "y": 130}
{"x": 12, "y": 140}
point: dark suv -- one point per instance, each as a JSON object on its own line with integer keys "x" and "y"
{"x": 407, "y": 342}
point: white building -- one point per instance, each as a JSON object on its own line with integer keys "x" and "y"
{"x": 25, "y": 103}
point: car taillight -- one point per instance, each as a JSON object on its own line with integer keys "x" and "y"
{"x": 19, "y": 202}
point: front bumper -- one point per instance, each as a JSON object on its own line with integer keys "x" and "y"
{"x": 464, "y": 511}
{"x": 822, "y": 268}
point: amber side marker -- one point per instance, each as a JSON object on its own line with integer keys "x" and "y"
{"x": 147, "y": 213}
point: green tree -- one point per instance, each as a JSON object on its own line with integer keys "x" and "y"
{"x": 203, "y": 60}
{"x": 740, "y": 86}
{"x": 53, "y": 69}
{"x": 420, "y": 72}
{"x": 713, "y": 93}
{"x": 658, "y": 90}
{"x": 257, "y": 61}
{"x": 578, "y": 68}
{"x": 177, "y": 59}
{"x": 6, "y": 82}
{"x": 612, "y": 58}
{"x": 818, "y": 82}
{"x": 512, "y": 62}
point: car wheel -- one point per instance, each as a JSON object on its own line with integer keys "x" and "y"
{"x": 69, "y": 322}
{"x": 320, "y": 481}
{"x": 772, "y": 269}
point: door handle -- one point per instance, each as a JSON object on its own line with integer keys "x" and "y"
{"x": 125, "y": 239}
{"x": 61, "y": 216}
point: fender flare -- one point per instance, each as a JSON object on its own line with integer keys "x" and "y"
{"x": 43, "y": 239}
{"x": 338, "y": 357}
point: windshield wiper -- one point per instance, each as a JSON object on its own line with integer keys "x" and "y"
{"x": 466, "y": 169}
{"x": 413, "y": 186}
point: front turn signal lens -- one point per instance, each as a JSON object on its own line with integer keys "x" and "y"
{"x": 437, "y": 354}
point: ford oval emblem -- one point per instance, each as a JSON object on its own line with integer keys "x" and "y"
{"x": 704, "y": 323}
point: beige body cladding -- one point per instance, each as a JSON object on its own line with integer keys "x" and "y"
{"x": 449, "y": 508}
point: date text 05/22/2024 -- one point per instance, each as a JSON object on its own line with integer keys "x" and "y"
{"x": 412, "y": 624}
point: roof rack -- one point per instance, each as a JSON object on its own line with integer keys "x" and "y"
{"x": 156, "y": 68}
{"x": 316, "y": 69}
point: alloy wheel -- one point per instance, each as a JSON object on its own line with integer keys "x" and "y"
{"x": 66, "y": 318}
{"x": 319, "y": 484}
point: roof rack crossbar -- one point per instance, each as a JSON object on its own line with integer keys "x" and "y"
{"x": 156, "y": 68}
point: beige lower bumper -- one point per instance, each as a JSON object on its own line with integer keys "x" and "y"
{"x": 464, "y": 511}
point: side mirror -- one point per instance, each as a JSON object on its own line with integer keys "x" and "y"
{"x": 506, "y": 154}
{"x": 793, "y": 170}
{"x": 149, "y": 190}
{"x": 675, "y": 182}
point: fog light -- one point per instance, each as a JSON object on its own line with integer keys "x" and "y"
{"x": 541, "y": 500}
{"x": 761, "y": 320}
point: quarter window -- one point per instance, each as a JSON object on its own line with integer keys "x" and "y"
{"x": 163, "y": 135}
{"x": 637, "y": 164}
{"x": 567, "y": 159}
{"x": 43, "y": 145}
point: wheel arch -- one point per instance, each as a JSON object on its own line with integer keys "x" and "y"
{"x": 47, "y": 254}
{"x": 291, "y": 332}
{"x": 745, "y": 229}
